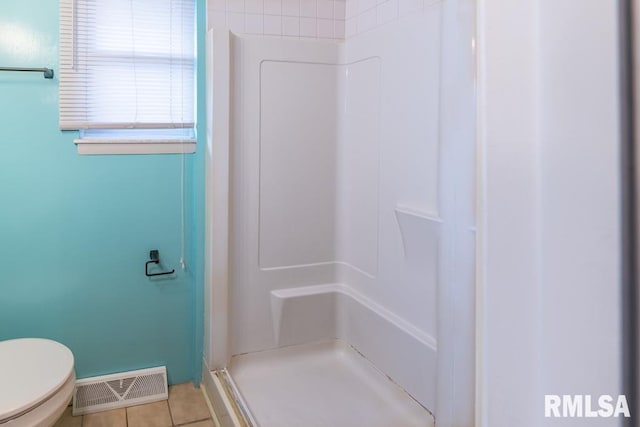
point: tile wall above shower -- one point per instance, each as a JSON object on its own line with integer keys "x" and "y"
{"x": 312, "y": 19}
{"x": 308, "y": 19}
{"x": 362, "y": 16}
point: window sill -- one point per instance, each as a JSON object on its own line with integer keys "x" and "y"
{"x": 93, "y": 146}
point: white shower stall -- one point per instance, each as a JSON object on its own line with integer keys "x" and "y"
{"x": 340, "y": 217}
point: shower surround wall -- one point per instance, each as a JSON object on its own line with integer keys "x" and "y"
{"x": 347, "y": 209}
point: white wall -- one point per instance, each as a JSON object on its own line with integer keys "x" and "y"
{"x": 408, "y": 177}
{"x": 580, "y": 199}
{"x": 298, "y": 143}
{"x": 456, "y": 293}
{"x": 549, "y": 292}
{"x": 427, "y": 168}
{"x": 217, "y": 221}
{"x": 508, "y": 320}
{"x": 283, "y": 177}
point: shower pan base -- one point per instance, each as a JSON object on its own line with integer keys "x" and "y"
{"x": 324, "y": 384}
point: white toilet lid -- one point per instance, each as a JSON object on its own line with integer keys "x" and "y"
{"x": 31, "y": 370}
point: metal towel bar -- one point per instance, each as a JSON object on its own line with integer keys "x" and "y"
{"x": 48, "y": 72}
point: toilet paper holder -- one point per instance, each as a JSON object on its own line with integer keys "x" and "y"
{"x": 155, "y": 259}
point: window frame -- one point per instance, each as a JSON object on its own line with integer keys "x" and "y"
{"x": 111, "y": 140}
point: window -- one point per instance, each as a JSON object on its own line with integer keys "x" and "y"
{"x": 127, "y": 74}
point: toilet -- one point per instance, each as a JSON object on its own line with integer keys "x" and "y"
{"x": 36, "y": 382}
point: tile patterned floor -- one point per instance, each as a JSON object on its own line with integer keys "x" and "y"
{"x": 186, "y": 407}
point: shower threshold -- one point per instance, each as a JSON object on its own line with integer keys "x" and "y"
{"x": 318, "y": 385}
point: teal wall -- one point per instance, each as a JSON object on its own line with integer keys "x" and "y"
{"x": 75, "y": 231}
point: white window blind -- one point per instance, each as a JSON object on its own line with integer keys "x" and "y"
{"x": 127, "y": 64}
